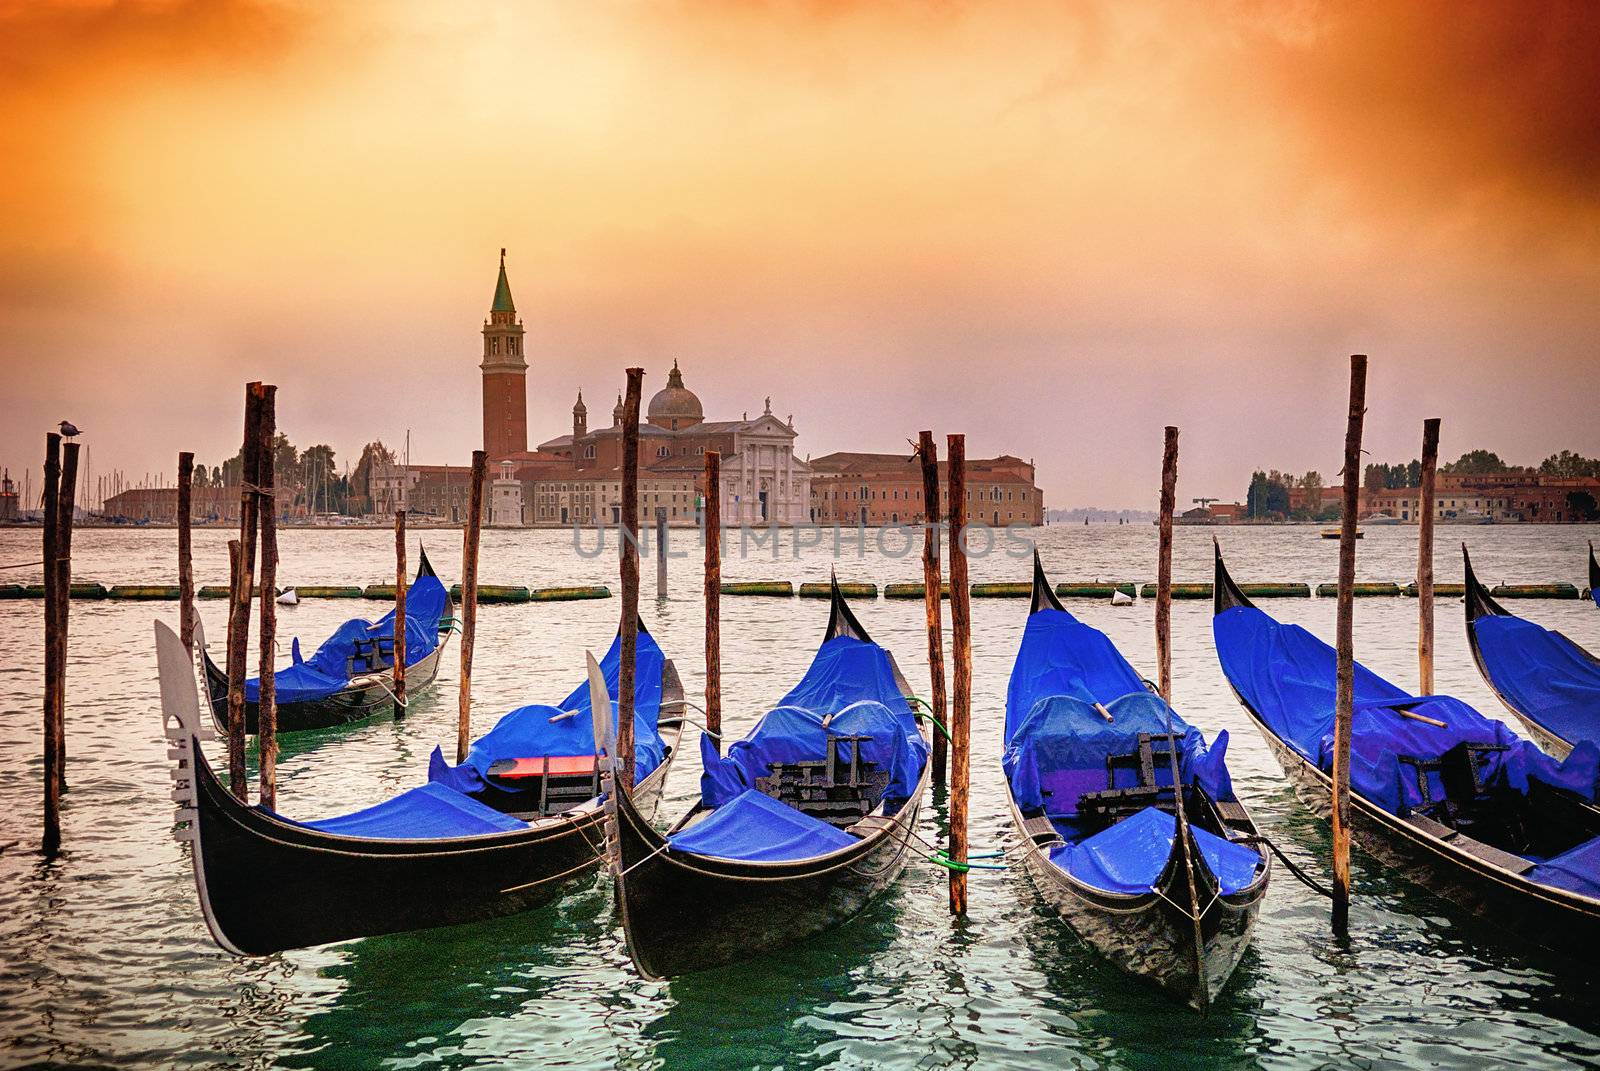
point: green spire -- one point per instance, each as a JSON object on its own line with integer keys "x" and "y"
{"x": 502, "y": 290}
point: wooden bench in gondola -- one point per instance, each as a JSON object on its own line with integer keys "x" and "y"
{"x": 370, "y": 656}
{"x": 561, "y": 781}
{"x": 1114, "y": 804}
{"x": 842, "y": 789}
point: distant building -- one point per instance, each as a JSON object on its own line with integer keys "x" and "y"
{"x": 876, "y": 489}
{"x": 159, "y": 505}
{"x": 1521, "y": 496}
{"x": 9, "y": 499}
{"x": 577, "y": 478}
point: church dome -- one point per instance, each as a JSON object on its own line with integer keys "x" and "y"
{"x": 675, "y": 406}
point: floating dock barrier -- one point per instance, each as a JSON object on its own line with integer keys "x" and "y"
{"x": 1084, "y": 589}
{"x": 912, "y": 591}
{"x": 1276, "y": 591}
{"x": 1440, "y": 591}
{"x": 850, "y": 590}
{"x": 87, "y": 589}
{"x": 759, "y": 587}
{"x": 330, "y": 591}
{"x": 1535, "y": 591}
{"x": 488, "y": 593}
{"x": 1360, "y": 591}
{"x": 12, "y": 591}
{"x": 1179, "y": 591}
{"x": 143, "y": 591}
{"x": 1002, "y": 591}
{"x": 567, "y": 594}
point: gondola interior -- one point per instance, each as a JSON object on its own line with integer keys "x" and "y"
{"x": 1447, "y": 771}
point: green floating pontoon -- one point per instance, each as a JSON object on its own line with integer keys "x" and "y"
{"x": 911, "y": 591}
{"x": 848, "y": 590}
{"x": 1360, "y": 591}
{"x": 759, "y": 587}
{"x": 1535, "y": 591}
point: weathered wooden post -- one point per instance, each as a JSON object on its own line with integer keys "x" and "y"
{"x": 961, "y": 639}
{"x": 186, "y": 551}
{"x": 1169, "y": 486}
{"x": 630, "y": 575}
{"x": 713, "y": 596}
{"x": 53, "y": 681}
{"x": 1345, "y": 701}
{"x": 67, "y": 506}
{"x": 932, "y": 596}
{"x": 267, "y": 660}
{"x": 1430, "y": 466}
{"x": 399, "y": 613}
{"x": 661, "y": 552}
{"x": 242, "y": 589}
{"x": 469, "y": 600}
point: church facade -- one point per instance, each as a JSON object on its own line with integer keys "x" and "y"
{"x": 576, "y": 479}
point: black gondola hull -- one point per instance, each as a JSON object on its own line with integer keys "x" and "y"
{"x": 684, "y": 913}
{"x": 1152, "y": 937}
{"x": 1566, "y": 923}
{"x": 267, "y": 885}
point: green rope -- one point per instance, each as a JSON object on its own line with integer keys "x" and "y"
{"x": 945, "y": 861}
{"x": 928, "y": 713}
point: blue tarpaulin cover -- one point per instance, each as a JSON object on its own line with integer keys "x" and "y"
{"x": 528, "y": 732}
{"x": 851, "y": 684}
{"x": 1060, "y": 655}
{"x": 1059, "y": 752}
{"x": 755, "y": 827}
{"x": 1286, "y": 675}
{"x": 1058, "y": 742}
{"x": 1544, "y": 675}
{"x": 328, "y": 670}
{"x": 1130, "y": 856}
{"x": 425, "y": 813}
{"x": 1577, "y": 870}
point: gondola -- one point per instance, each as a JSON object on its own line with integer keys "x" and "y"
{"x": 808, "y": 818}
{"x": 1550, "y": 683}
{"x": 1089, "y": 756}
{"x": 500, "y": 834}
{"x": 1449, "y": 798}
{"x": 351, "y": 676}
{"x": 1594, "y": 576}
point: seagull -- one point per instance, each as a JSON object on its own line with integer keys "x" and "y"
{"x": 69, "y": 429}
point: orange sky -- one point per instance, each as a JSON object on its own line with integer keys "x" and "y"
{"x": 1056, "y": 227}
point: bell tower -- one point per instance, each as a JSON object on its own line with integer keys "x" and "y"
{"x": 505, "y": 375}
{"x": 580, "y": 419}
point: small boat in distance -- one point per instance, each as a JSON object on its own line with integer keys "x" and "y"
{"x": 1165, "y": 884}
{"x": 1335, "y": 533}
{"x": 479, "y": 841}
{"x": 1550, "y": 683}
{"x": 351, "y": 676}
{"x": 1452, "y": 800}
{"x": 1380, "y": 520}
{"x": 804, "y": 821}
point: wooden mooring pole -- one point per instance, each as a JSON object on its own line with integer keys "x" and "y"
{"x": 267, "y": 659}
{"x": 713, "y": 596}
{"x": 661, "y": 552}
{"x": 54, "y": 697}
{"x": 932, "y": 596}
{"x": 400, "y": 613}
{"x": 469, "y": 601}
{"x": 961, "y": 640}
{"x": 186, "y": 551}
{"x": 630, "y": 574}
{"x": 1169, "y": 488}
{"x": 1344, "y": 707}
{"x": 67, "y": 508}
{"x": 243, "y": 585}
{"x": 1430, "y": 466}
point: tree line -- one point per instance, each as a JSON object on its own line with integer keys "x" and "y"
{"x": 309, "y": 478}
{"x": 1270, "y": 491}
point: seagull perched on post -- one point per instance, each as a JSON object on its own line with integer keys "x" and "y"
{"x": 69, "y": 429}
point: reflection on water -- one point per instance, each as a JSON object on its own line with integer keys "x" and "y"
{"x": 104, "y": 957}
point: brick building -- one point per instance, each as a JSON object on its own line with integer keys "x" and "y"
{"x": 1520, "y": 496}
{"x": 159, "y": 505}
{"x": 877, "y": 489}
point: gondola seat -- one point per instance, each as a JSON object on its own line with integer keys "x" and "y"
{"x": 427, "y": 813}
{"x": 1577, "y": 870}
{"x": 754, "y": 827}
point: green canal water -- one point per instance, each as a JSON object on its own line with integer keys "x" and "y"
{"x": 104, "y": 959}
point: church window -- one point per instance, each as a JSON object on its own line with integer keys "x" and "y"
{"x": 494, "y": 345}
